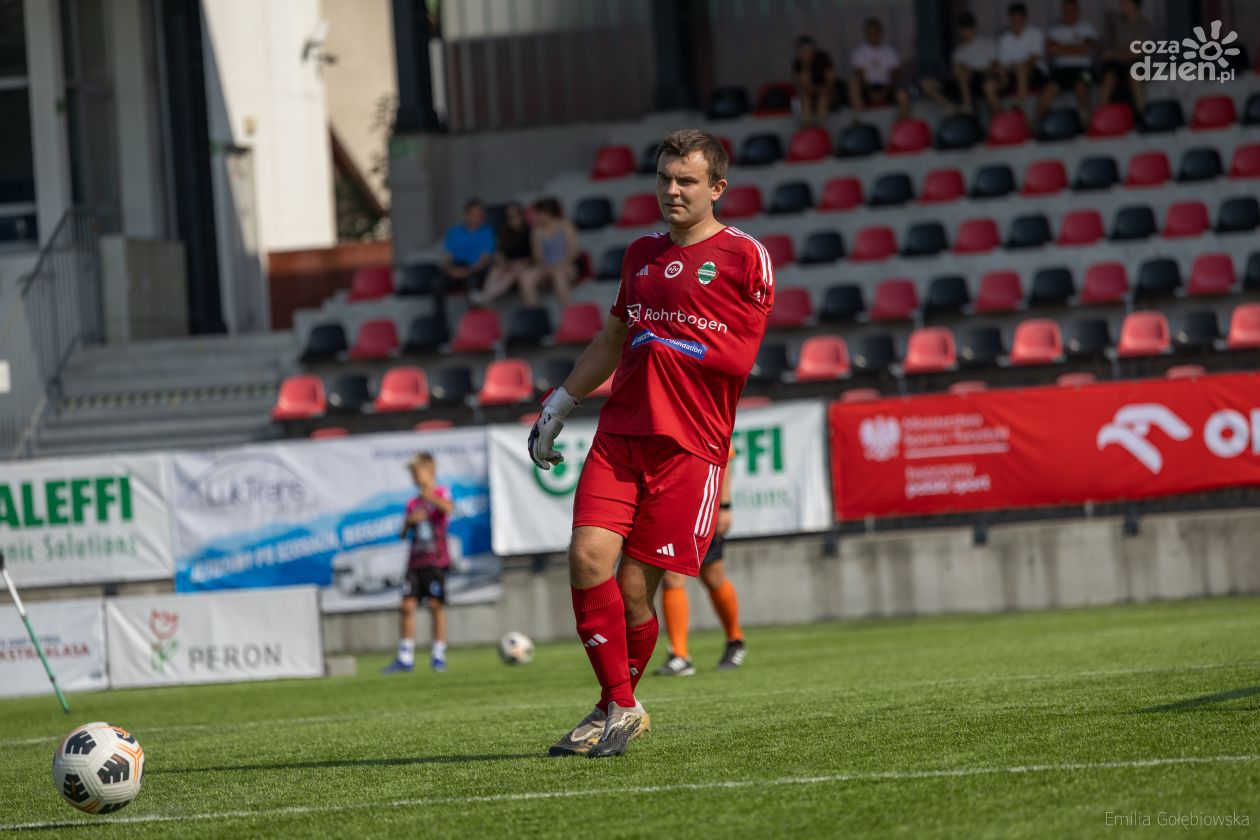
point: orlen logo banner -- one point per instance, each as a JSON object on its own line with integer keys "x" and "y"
{"x": 1045, "y": 446}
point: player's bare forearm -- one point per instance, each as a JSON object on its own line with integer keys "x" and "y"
{"x": 598, "y": 360}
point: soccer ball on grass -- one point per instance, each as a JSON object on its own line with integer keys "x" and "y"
{"x": 516, "y": 648}
{"x": 98, "y": 768}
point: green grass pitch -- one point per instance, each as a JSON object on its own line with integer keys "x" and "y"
{"x": 1053, "y": 724}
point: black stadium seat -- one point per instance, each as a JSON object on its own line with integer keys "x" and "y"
{"x": 1088, "y": 338}
{"x": 1238, "y": 214}
{"x": 875, "y": 354}
{"x": 1157, "y": 277}
{"x": 348, "y": 394}
{"x": 1060, "y": 124}
{"x": 1052, "y": 286}
{"x": 891, "y": 189}
{"x": 1162, "y": 115}
{"x": 426, "y": 334}
{"x": 451, "y": 386}
{"x": 993, "y": 181}
{"x": 593, "y": 213}
{"x": 981, "y": 347}
{"x": 771, "y": 363}
{"x": 925, "y": 239}
{"x": 791, "y": 197}
{"x": 760, "y": 149}
{"x": 417, "y": 279}
{"x": 647, "y": 161}
{"x": 1097, "y": 173}
{"x": 841, "y": 303}
{"x": 1251, "y": 276}
{"x": 610, "y": 264}
{"x": 823, "y": 246}
{"x": 859, "y": 140}
{"x": 325, "y": 341}
{"x": 1134, "y": 222}
{"x": 528, "y": 326}
{"x": 1198, "y": 330}
{"x": 1251, "y": 111}
{"x": 958, "y": 131}
{"x": 1029, "y": 231}
{"x": 551, "y": 373}
{"x": 1200, "y": 164}
{"x": 727, "y": 103}
{"x": 947, "y": 294}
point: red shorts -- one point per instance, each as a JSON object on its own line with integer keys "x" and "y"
{"x": 659, "y": 497}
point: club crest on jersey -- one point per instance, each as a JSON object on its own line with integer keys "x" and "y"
{"x": 673, "y": 269}
{"x": 706, "y": 273}
{"x": 633, "y": 312}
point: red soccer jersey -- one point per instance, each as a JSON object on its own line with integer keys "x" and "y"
{"x": 697, "y": 314}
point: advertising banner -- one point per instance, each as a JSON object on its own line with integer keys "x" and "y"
{"x": 85, "y": 520}
{"x": 328, "y": 513}
{"x": 1045, "y": 446}
{"x": 778, "y": 479}
{"x": 72, "y": 634}
{"x": 216, "y": 637}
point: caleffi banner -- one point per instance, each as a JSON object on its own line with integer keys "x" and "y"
{"x": 779, "y": 481}
{"x": 85, "y": 520}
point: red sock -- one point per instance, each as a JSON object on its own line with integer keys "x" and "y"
{"x": 601, "y": 625}
{"x": 640, "y": 642}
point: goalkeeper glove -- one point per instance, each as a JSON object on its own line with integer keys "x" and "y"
{"x": 542, "y": 437}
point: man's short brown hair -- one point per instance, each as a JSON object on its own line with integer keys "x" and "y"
{"x": 422, "y": 459}
{"x": 687, "y": 140}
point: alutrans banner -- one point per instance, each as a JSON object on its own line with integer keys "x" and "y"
{"x": 779, "y": 479}
{"x": 328, "y": 513}
{"x": 72, "y": 634}
{"x": 85, "y": 520}
{"x": 1045, "y": 446}
{"x": 216, "y": 637}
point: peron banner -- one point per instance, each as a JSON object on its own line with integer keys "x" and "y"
{"x": 1045, "y": 446}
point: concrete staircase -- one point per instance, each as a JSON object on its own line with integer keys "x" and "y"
{"x": 182, "y": 393}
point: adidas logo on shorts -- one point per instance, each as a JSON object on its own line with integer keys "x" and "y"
{"x": 667, "y": 550}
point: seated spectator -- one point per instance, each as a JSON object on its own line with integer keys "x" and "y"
{"x": 511, "y": 260}
{"x": 468, "y": 248}
{"x": 1123, "y": 29}
{"x": 875, "y": 80}
{"x": 1070, "y": 44}
{"x": 555, "y": 247}
{"x": 815, "y": 78}
{"x": 972, "y": 67}
{"x": 1021, "y": 56}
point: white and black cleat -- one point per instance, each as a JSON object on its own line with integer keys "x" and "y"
{"x": 582, "y": 737}
{"x": 734, "y": 655}
{"x": 676, "y": 666}
{"x": 622, "y": 727}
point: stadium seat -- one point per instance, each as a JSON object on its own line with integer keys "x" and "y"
{"x": 1143, "y": 334}
{"x": 638, "y": 210}
{"x": 1240, "y": 214}
{"x": 858, "y": 395}
{"x": 774, "y": 99}
{"x": 551, "y": 373}
{"x": 858, "y": 140}
{"x": 417, "y": 279}
{"x": 779, "y": 246}
{"x": 1081, "y": 227}
{"x": 1031, "y": 230}
{"x": 403, "y": 388}
{"x": 1052, "y": 286}
{"x": 610, "y": 264}
{"x": 1212, "y": 274}
{"x": 1111, "y": 120}
{"x": 759, "y": 401}
{"x": 1089, "y": 338}
{"x": 1186, "y": 219}
{"x": 958, "y": 131}
{"x": 792, "y": 308}
{"x": 1148, "y": 169}
{"x": 925, "y": 239}
{"x": 1251, "y": 109}
{"x": 1000, "y": 291}
{"x": 809, "y": 144}
{"x": 823, "y": 358}
{"x": 1200, "y": 164}
{"x": 941, "y": 186}
{"x": 451, "y": 386}
{"x": 791, "y": 197}
{"x": 967, "y": 386}
{"x": 371, "y": 282}
{"x": 930, "y": 350}
{"x": 528, "y": 326}
{"x": 1246, "y": 162}
{"x": 1251, "y": 274}
{"x": 841, "y": 194}
{"x": 301, "y": 397}
{"x": 842, "y": 302}
{"x": 909, "y": 136}
{"x": 325, "y": 342}
{"x": 981, "y": 347}
{"x": 507, "y": 381}
{"x": 1044, "y": 177}
{"x": 329, "y": 432}
{"x": 434, "y": 425}
{"x": 426, "y": 334}
{"x": 1185, "y": 372}
{"x": 1212, "y": 112}
{"x": 946, "y": 294}
{"x": 993, "y": 181}
{"x": 976, "y": 236}
{"x": 1157, "y": 277}
{"x": 760, "y": 150}
{"x": 592, "y": 213}
{"x": 1198, "y": 330}
{"x": 875, "y": 354}
{"x": 874, "y": 243}
{"x": 1161, "y": 116}
{"x": 580, "y": 323}
{"x": 612, "y": 162}
{"x": 1075, "y": 379}
{"x": 1105, "y": 283}
{"x": 1037, "y": 341}
{"x": 1136, "y": 221}
{"x": 1008, "y": 128}
{"x": 891, "y": 189}
{"x": 739, "y": 202}
{"x": 647, "y": 161}
{"x": 348, "y": 394}
{"x": 728, "y": 102}
{"x": 823, "y": 246}
{"x": 1096, "y": 173}
{"x": 377, "y": 339}
{"x": 478, "y": 330}
{"x": 895, "y": 300}
{"x": 771, "y": 363}
{"x": 1060, "y": 124}
{"x": 1244, "y": 327}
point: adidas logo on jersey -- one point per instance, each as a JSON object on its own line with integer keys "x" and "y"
{"x": 643, "y": 272}
{"x": 667, "y": 550}
{"x": 594, "y": 641}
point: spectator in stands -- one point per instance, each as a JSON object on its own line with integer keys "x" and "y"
{"x": 555, "y": 247}
{"x": 875, "y": 80}
{"x": 1124, "y": 27}
{"x": 468, "y": 248}
{"x": 1070, "y": 44}
{"x": 1021, "y": 56}
{"x": 814, "y": 75}
{"x": 972, "y": 68}
{"x": 512, "y": 259}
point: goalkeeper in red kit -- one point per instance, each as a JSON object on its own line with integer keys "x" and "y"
{"x": 684, "y": 332}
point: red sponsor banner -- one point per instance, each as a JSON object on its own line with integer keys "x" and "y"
{"x": 1045, "y": 446}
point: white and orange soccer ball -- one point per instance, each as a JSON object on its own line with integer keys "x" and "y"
{"x": 98, "y": 768}
{"x": 516, "y": 648}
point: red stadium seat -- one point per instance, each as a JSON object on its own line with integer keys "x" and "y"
{"x": 854, "y": 395}
{"x": 782, "y": 251}
{"x": 738, "y": 202}
{"x": 529, "y": 418}
{"x": 792, "y": 308}
{"x": 1148, "y": 169}
{"x": 434, "y": 425}
{"x": 301, "y": 397}
{"x": 930, "y": 350}
{"x": 1105, "y": 282}
{"x": 842, "y": 194}
{"x": 372, "y": 282}
{"x": 908, "y": 137}
{"x": 1000, "y": 291}
{"x": 402, "y": 389}
{"x": 730, "y": 149}
{"x": 1081, "y": 227}
{"x": 774, "y": 99}
{"x": 479, "y": 329}
{"x": 612, "y": 162}
{"x": 1045, "y": 177}
{"x": 1213, "y": 112}
{"x": 1144, "y": 334}
{"x": 639, "y": 210}
{"x": 329, "y": 432}
{"x": 942, "y": 185}
{"x": 759, "y": 401}
{"x": 1038, "y": 341}
{"x": 1244, "y": 327}
{"x": 1246, "y": 162}
{"x": 579, "y": 324}
{"x": 377, "y": 339}
{"x": 976, "y": 236}
{"x": 895, "y": 300}
{"x": 809, "y": 144}
{"x": 1185, "y": 372}
{"x": 1113, "y": 120}
{"x": 823, "y": 358}
{"x": 1212, "y": 274}
{"x": 1186, "y": 218}
{"x": 968, "y": 386}
{"x": 507, "y": 381}
{"x": 1008, "y": 128}
{"x": 1072, "y": 380}
{"x": 874, "y": 243}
